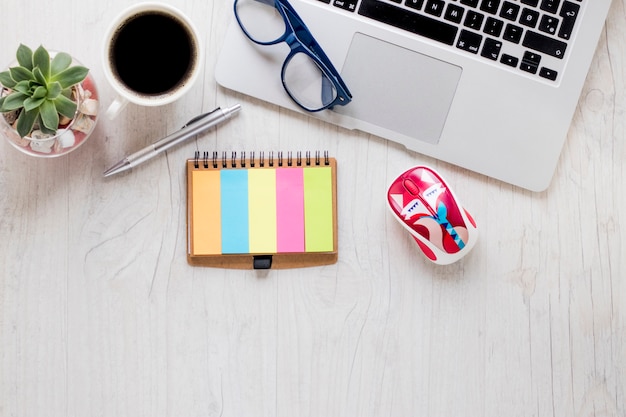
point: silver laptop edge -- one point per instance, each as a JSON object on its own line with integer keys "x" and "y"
{"x": 500, "y": 123}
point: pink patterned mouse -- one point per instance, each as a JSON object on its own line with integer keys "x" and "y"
{"x": 428, "y": 208}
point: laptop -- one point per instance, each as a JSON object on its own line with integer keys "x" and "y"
{"x": 488, "y": 85}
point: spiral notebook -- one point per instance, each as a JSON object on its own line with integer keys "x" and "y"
{"x": 261, "y": 211}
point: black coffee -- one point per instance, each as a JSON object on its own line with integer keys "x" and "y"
{"x": 152, "y": 53}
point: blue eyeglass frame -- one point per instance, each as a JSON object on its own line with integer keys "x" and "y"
{"x": 300, "y": 40}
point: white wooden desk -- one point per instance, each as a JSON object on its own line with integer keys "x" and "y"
{"x": 100, "y": 314}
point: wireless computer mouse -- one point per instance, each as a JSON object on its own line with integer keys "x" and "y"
{"x": 428, "y": 208}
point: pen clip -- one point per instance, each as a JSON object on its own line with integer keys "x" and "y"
{"x": 200, "y": 117}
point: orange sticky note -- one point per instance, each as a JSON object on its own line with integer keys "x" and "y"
{"x": 206, "y": 213}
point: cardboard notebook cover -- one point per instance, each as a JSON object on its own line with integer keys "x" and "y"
{"x": 261, "y": 213}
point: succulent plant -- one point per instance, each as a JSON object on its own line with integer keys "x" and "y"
{"x": 40, "y": 89}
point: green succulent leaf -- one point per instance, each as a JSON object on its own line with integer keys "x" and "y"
{"x": 13, "y": 101}
{"x": 54, "y": 90}
{"x": 60, "y": 62}
{"x": 20, "y": 74}
{"x": 23, "y": 87}
{"x": 39, "y": 77}
{"x": 44, "y": 129}
{"x": 42, "y": 88}
{"x": 6, "y": 79}
{"x": 40, "y": 92}
{"x": 32, "y": 103}
{"x": 25, "y": 57}
{"x": 26, "y": 121}
{"x": 65, "y": 106}
{"x": 41, "y": 59}
{"x": 49, "y": 115}
{"x": 71, "y": 76}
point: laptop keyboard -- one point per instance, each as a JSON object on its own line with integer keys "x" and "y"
{"x": 529, "y": 35}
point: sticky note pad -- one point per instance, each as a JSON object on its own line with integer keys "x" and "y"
{"x": 262, "y": 210}
{"x": 318, "y": 209}
{"x": 234, "y": 211}
{"x": 238, "y": 209}
{"x": 290, "y": 210}
{"x": 207, "y": 213}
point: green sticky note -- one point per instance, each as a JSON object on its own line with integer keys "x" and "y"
{"x": 318, "y": 209}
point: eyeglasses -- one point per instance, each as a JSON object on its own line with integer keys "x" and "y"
{"x": 308, "y": 76}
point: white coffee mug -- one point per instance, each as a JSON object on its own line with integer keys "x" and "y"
{"x": 152, "y": 56}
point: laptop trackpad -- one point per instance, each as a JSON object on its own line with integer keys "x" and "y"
{"x": 398, "y": 89}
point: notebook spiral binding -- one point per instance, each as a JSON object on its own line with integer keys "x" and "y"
{"x": 225, "y": 161}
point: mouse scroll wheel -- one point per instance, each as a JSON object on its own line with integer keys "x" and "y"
{"x": 411, "y": 187}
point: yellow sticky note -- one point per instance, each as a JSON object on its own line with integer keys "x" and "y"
{"x": 262, "y": 210}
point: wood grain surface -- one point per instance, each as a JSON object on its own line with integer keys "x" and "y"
{"x": 101, "y": 315}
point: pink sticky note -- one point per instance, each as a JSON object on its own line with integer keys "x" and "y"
{"x": 290, "y": 210}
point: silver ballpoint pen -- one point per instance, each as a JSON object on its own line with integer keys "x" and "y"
{"x": 195, "y": 126}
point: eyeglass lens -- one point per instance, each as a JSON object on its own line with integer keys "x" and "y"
{"x": 261, "y": 20}
{"x": 303, "y": 78}
{"x": 307, "y": 84}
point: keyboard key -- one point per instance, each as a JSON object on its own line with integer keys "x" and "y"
{"x": 471, "y": 3}
{"x": 513, "y": 33}
{"x": 454, "y": 13}
{"x": 349, "y": 5}
{"x": 509, "y": 11}
{"x": 469, "y": 41}
{"x": 550, "y": 6}
{"x": 533, "y": 3}
{"x": 548, "y": 74}
{"x": 532, "y": 58}
{"x": 491, "y": 49}
{"x": 524, "y": 66}
{"x": 548, "y": 24}
{"x": 473, "y": 20}
{"x": 415, "y": 4}
{"x": 529, "y": 18}
{"x": 409, "y": 21}
{"x": 435, "y": 7}
{"x": 569, "y": 13}
{"x": 545, "y": 44}
{"x": 493, "y": 27}
{"x": 509, "y": 60}
{"x": 490, "y": 6}
{"x": 530, "y": 62}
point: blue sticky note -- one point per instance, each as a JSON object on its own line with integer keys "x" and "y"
{"x": 234, "y": 197}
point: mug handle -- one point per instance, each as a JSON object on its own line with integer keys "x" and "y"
{"x": 116, "y": 107}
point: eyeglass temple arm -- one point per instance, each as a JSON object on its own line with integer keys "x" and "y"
{"x": 268, "y": 2}
{"x": 304, "y": 34}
